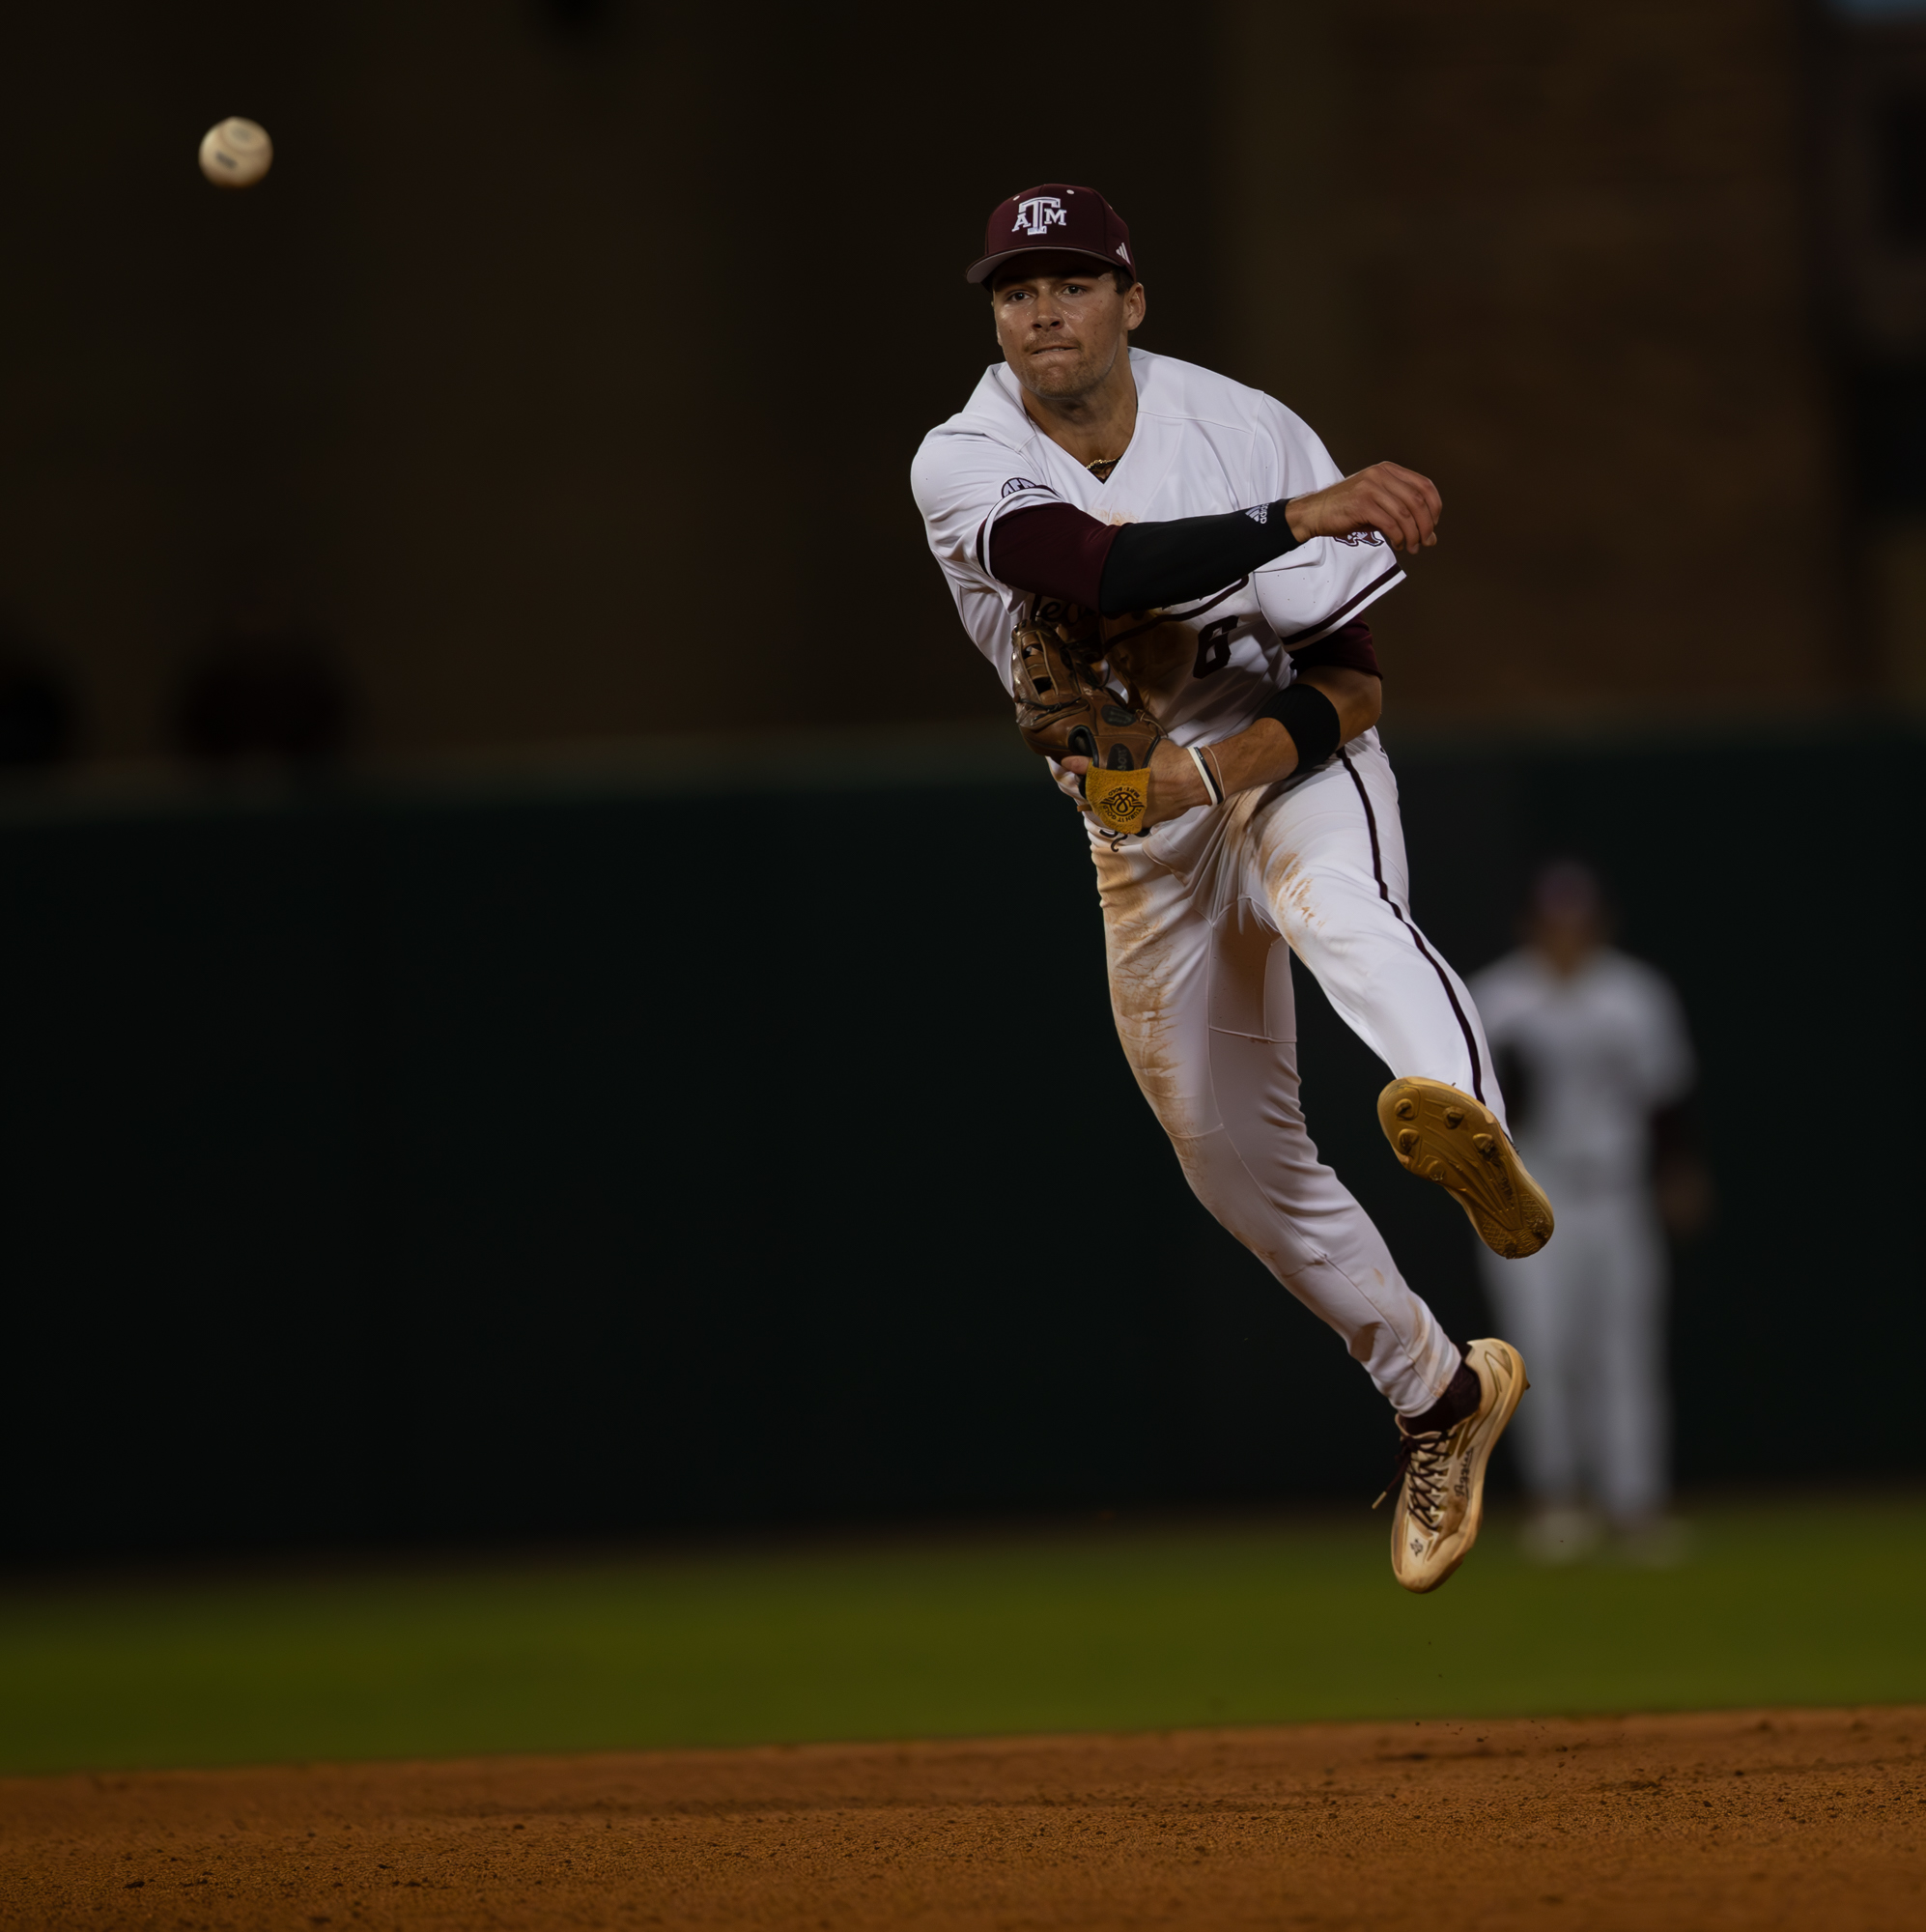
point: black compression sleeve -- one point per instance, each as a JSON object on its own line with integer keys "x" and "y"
{"x": 1150, "y": 565}
{"x": 1311, "y": 719}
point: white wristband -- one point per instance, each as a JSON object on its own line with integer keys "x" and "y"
{"x": 1209, "y": 776}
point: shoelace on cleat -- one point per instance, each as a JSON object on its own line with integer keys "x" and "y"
{"x": 1420, "y": 1470}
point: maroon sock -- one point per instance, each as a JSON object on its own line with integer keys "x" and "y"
{"x": 1462, "y": 1396}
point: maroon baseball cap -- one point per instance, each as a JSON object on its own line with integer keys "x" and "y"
{"x": 1058, "y": 220}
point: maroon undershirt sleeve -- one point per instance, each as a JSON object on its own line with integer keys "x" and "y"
{"x": 1054, "y": 549}
{"x": 1348, "y": 647}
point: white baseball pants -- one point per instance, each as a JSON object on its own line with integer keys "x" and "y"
{"x": 1193, "y": 914}
{"x": 1587, "y": 1313}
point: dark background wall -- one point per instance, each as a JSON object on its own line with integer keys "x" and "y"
{"x": 572, "y": 352}
{"x": 553, "y": 366}
{"x": 383, "y": 1166}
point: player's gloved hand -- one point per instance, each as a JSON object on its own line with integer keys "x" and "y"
{"x": 1400, "y": 505}
{"x": 1169, "y": 787}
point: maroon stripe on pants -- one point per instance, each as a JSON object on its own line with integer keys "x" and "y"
{"x": 1417, "y": 937}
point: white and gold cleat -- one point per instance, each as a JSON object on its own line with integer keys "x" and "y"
{"x": 1444, "y": 1135}
{"x": 1441, "y": 1480}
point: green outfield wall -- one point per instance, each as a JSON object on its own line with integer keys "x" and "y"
{"x": 614, "y": 1147}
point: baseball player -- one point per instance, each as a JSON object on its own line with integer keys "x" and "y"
{"x": 1169, "y": 573}
{"x": 1592, "y": 1048}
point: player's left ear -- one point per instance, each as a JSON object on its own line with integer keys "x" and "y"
{"x": 1133, "y": 305}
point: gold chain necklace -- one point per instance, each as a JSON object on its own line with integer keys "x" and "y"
{"x": 1102, "y": 466}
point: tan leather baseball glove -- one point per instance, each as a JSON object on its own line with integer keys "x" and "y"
{"x": 1065, "y": 708}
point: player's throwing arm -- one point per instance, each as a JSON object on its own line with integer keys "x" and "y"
{"x": 1106, "y": 741}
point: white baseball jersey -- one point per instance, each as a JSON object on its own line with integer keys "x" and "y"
{"x": 1203, "y": 445}
{"x": 1601, "y": 1052}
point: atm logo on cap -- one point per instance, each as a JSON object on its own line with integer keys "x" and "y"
{"x": 1039, "y": 215}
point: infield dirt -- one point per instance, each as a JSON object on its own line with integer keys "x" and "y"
{"x": 1707, "y": 1820}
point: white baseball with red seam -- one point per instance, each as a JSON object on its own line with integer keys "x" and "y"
{"x": 236, "y": 152}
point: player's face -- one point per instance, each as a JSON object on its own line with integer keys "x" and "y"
{"x": 1063, "y": 323}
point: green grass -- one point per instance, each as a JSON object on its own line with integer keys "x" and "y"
{"x": 1818, "y": 1603}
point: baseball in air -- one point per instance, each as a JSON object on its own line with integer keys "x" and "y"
{"x": 236, "y": 152}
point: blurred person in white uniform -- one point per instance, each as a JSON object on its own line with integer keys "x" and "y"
{"x": 1596, "y": 1064}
